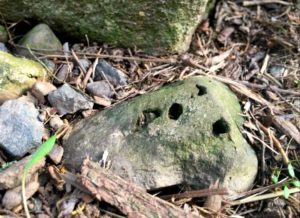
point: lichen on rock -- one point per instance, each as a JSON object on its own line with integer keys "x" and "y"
{"x": 154, "y": 26}
{"x": 187, "y": 132}
{"x": 17, "y": 75}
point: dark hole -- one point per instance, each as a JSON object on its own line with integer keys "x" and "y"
{"x": 202, "y": 90}
{"x": 148, "y": 116}
{"x": 220, "y": 127}
{"x": 175, "y": 111}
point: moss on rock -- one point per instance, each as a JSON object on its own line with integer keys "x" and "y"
{"x": 155, "y": 26}
{"x": 17, "y": 75}
{"x": 187, "y": 132}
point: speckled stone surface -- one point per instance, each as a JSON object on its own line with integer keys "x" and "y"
{"x": 20, "y": 128}
{"x": 188, "y": 132}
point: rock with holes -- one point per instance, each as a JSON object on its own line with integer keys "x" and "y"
{"x": 185, "y": 133}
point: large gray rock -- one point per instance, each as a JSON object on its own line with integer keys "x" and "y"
{"x": 188, "y": 132}
{"x": 68, "y": 101}
{"x": 20, "y": 128}
{"x": 153, "y": 25}
{"x": 41, "y": 38}
{"x": 100, "y": 88}
{"x": 17, "y": 75}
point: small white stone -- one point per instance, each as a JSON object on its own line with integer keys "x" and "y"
{"x": 56, "y": 122}
{"x": 42, "y": 88}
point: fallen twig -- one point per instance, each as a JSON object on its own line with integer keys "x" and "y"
{"x": 255, "y": 191}
{"x": 198, "y": 193}
{"x": 78, "y": 62}
{"x": 276, "y": 143}
{"x": 262, "y": 2}
{"x": 90, "y": 71}
{"x": 65, "y": 54}
{"x": 265, "y": 86}
{"x": 263, "y": 197}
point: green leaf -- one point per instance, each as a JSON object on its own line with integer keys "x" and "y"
{"x": 286, "y": 192}
{"x": 274, "y": 179}
{"x": 41, "y": 152}
{"x": 291, "y": 170}
{"x": 275, "y": 176}
{"x": 296, "y": 183}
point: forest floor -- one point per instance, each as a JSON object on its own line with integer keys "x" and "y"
{"x": 253, "y": 47}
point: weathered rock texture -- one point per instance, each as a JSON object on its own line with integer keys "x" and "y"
{"x": 67, "y": 100}
{"x": 17, "y": 75}
{"x": 20, "y": 129}
{"x": 41, "y": 38}
{"x": 188, "y": 132}
{"x": 157, "y": 25}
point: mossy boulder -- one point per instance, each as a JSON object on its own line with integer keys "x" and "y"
{"x": 185, "y": 133}
{"x": 152, "y": 25}
{"x": 17, "y": 75}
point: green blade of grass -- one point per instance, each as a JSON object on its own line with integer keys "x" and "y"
{"x": 296, "y": 183}
{"x": 291, "y": 170}
{"x": 286, "y": 192}
{"x": 39, "y": 154}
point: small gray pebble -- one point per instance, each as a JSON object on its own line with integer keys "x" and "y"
{"x": 3, "y": 47}
{"x": 66, "y": 47}
{"x": 85, "y": 63}
{"x": 68, "y": 101}
{"x": 277, "y": 71}
{"x": 63, "y": 72}
{"x": 49, "y": 64}
{"x": 56, "y": 154}
{"x": 105, "y": 71}
{"x": 100, "y": 88}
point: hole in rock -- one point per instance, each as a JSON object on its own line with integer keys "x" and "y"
{"x": 175, "y": 111}
{"x": 148, "y": 116}
{"x": 220, "y": 127}
{"x": 201, "y": 90}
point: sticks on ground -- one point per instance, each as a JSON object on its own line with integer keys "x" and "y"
{"x": 130, "y": 199}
